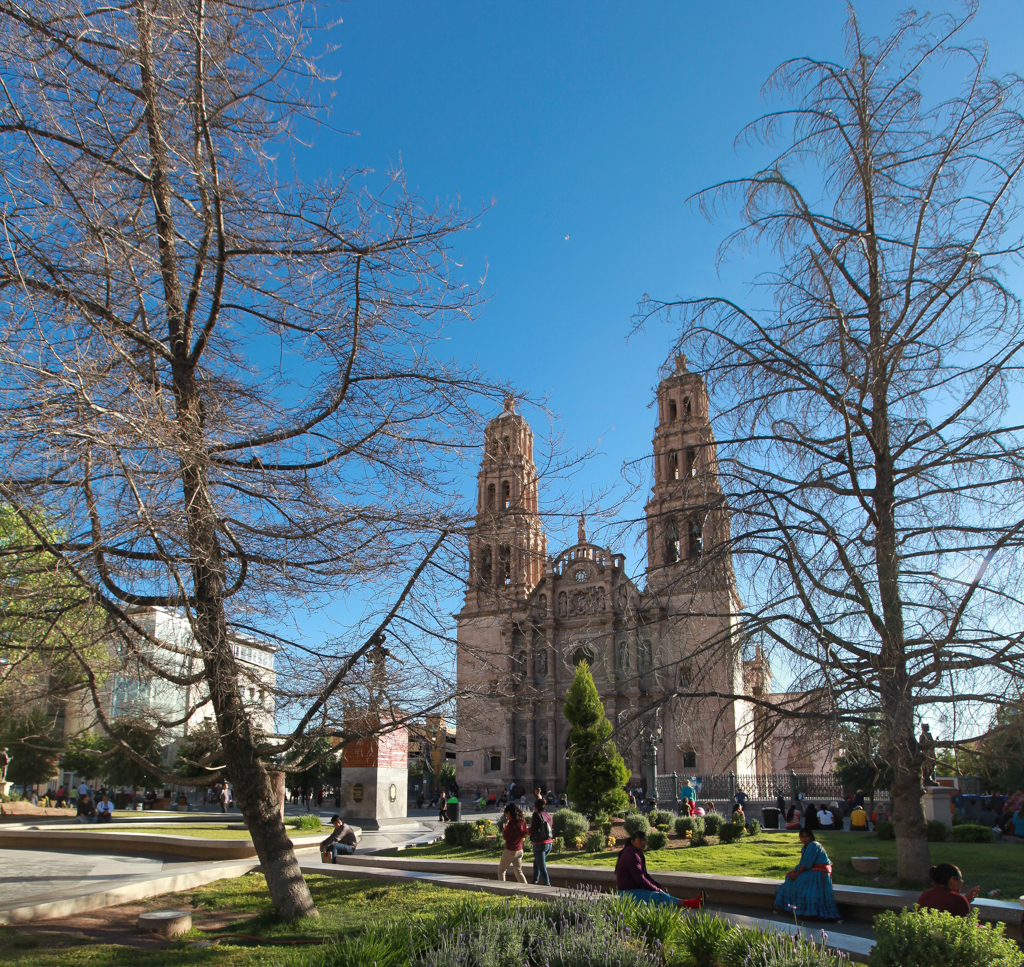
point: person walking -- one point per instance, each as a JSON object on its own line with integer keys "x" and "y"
{"x": 442, "y": 813}
{"x": 807, "y": 890}
{"x": 513, "y": 833}
{"x": 224, "y": 797}
{"x": 542, "y": 837}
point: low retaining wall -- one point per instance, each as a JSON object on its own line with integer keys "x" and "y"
{"x": 89, "y": 839}
{"x": 855, "y": 903}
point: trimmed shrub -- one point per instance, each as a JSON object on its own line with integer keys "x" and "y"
{"x": 628, "y": 811}
{"x": 656, "y": 839}
{"x": 730, "y": 832}
{"x": 971, "y": 833}
{"x": 662, "y": 818}
{"x": 959, "y": 820}
{"x": 637, "y": 822}
{"x": 468, "y": 835}
{"x": 885, "y": 829}
{"x": 934, "y": 938}
{"x": 937, "y": 831}
{"x": 558, "y": 844}
{"x": 713, "y": 823}
{"x": 684, "y": 825}
{"x": 753, "y": 827}
{"x": 569, "y": 824}
{"x": 606, "y": 827}
{"x": 594, "y": 843}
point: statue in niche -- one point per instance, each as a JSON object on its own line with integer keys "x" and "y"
{"x": 580, "y": 602}
{"x": 522, "y": 750}
{"x": 542, "y": 750}
{"x": 598, "y": 599}
{"x": 624, "y": 656}
{"x": 542, "y": 662}
{"x": 563, "y": 604}
{"x": 542, "y": 604}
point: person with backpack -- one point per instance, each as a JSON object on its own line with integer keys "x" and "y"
{"x": 542, "y": 837}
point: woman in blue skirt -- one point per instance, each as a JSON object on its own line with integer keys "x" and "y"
{"x": 807, "y": 890}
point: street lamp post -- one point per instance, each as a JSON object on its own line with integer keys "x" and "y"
{"x": 652, "y": 769}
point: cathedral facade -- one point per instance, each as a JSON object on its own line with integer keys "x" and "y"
{"x": 662, "y": 655}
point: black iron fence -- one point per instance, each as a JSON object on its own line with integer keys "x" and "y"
{"x": 814, "y": 786}
{"x": 790, "y": 785}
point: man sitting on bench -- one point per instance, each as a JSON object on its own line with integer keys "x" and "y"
{"x": 343, "y": 840}
{"x": 104, "y": 810}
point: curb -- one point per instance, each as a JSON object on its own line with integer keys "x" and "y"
{"x": 170, "y": 883}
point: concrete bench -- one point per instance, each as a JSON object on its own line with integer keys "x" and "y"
{"x": 855, "y": 903}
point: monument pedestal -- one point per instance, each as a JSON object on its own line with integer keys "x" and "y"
{"x": 375, "y": 779}
{"x": 5, "y": 788}
{"x": 938, "y": 804}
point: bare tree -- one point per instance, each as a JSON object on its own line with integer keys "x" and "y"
{"x": 218, "y": 379}
{"x": 869, "y": 447}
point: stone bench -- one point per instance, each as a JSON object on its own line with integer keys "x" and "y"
{"x": 120, "y": 840}
{"x": 855, "y": 903}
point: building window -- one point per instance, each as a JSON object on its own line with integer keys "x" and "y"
{"x": 672, "y": 414}
{"x": 494, "y": 762}
{"x": 690, "y": 759}
{"x": 506, "y": 495}
{"x": 490, "y": 496}
{"x": 673, "y": 465}
{"x": 505, "y": 564}
{"x": 671, "y": 541}
{"x": 686, "y": 406}
{"x": 691, "y": 462}
{"x": 485, "y": 566}
{"x": 696, "y": 539}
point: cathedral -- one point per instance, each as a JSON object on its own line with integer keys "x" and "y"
{"x": 662, "y": 655}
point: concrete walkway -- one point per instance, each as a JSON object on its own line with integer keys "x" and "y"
{"x": 40, "y": 884}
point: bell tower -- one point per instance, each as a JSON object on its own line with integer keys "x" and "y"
{"x": 684, "y": 512}
{"x": 507, "y": 546}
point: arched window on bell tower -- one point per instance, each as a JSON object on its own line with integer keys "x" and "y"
{"x": 691, "y": 462}
{"x": 486, "y": 566}
{"x": 506, "y": 495}
{"x": 673, "y": 465}
{"x": 505, "y": 564}
{"x": 672, "y": 414}
{"x": 490, "y": 496}
{"x": 696, "y": 538}
{"x": 671, "y": 541}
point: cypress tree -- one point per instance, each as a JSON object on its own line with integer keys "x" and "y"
{"x": 597, "y": 773}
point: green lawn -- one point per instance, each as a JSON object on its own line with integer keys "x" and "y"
{"x": 990, "y": 865}
{"x": 346, "y": 908}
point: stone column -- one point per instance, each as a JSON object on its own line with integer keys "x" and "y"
{"x": 507, "y": 739}
{"x": 530, "y": 773}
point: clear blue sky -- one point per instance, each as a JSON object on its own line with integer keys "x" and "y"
{"x": 588, "y": 119}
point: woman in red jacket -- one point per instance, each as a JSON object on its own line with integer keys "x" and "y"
{"x": 513, "y": 832}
